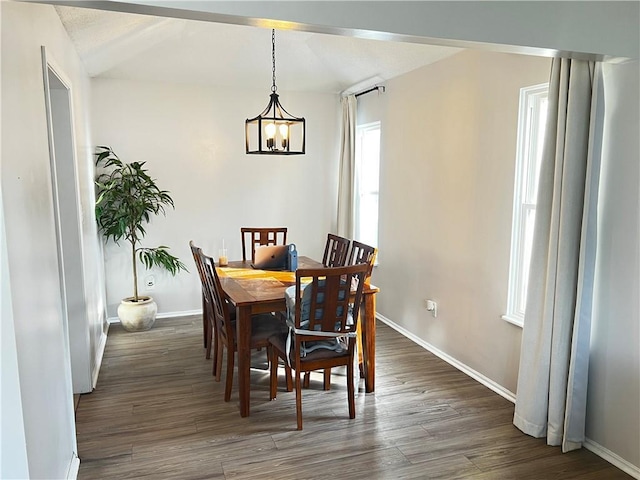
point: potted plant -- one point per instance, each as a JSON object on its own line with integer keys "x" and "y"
{"x": 126, "y": 198}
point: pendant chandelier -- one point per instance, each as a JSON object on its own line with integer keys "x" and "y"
{"x": 275, "y": 131}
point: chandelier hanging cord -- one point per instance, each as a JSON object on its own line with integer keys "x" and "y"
{"x": 273, "y": 59}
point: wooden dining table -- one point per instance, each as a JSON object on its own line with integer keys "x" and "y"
{"x": 254, "y": 291}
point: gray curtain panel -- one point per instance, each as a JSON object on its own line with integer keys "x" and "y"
{"x": 347, "y": 167}
{"x": 554, "y": 359}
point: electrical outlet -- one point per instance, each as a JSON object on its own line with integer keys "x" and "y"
{"x": 432, "y": 307}
{"x": 150, "y": 282}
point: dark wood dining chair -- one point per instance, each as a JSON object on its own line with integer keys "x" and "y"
{"x": 326, "y": 338}
{"x": 207, "y": 316}
{"x": 335, "y": 251}
{"x": 210, "y": 333}
{"x": 362, "y": 253}
{"x": 257, "y": 236}
{"x": 263, "y": 326}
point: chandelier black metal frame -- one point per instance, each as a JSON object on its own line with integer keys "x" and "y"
{"x": 275, "y": 131}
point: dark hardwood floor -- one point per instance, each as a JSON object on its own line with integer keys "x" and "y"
{"x": 157, "y": 413}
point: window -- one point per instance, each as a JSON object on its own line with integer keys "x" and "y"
{"x": 367, "y": 180}
{"x": 532, "y": 119}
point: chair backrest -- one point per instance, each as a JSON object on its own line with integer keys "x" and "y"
{"x": 255, "y": 237}
{"x": 362, "y": 253}
{"x": 207, "y": 304}
{"x": 335, "y": 251}
{"x": 195, "y": 251}
{"x": 331, "y": 298}
{"x": 218, "y": 302}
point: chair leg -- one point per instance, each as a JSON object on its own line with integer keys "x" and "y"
{"x": 289, "y": 375}
{"x": 298, "y": 400}
{"x": 229, "y": 379}
{"x": 205, "y": 322}
{"x": 208, "y": 347}
{"x": 213, "y": 336}
{"x": 211, "y": 340}
{"x": 269, "y": 348}
{"x": 206, "y": 335}
{"x": 217, "y": 366}
{"x": 273, "y": 376}
{"x": 359, "y": 346}
{"x": 327, "y": 379}
{"x": 351, "y": 390}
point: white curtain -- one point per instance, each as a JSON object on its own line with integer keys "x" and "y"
{"x": 346, "y": 206}
{"x": 554, "y": 359}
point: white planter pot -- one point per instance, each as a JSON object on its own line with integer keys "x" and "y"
{"x": 137, "y": 316}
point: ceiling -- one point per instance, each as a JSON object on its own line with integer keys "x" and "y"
{"x": 147, "y": 48}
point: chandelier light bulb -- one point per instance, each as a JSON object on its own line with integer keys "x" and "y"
{"x": 270, "y": 130}
{"x": 284, "y": 133}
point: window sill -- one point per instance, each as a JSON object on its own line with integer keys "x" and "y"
{"x": 514, "y": 320}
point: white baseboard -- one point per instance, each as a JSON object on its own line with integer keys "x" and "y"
{"x": 74, "y": 467}
{"x": 612, "y": 458}
{"x": 186, "y": 313}
{"x": 99, "y": 355}
{"x": 487, "y": 382}
{"x": 590, "y": 445}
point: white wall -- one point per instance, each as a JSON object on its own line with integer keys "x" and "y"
{"x": 613, "y": 414}
{"x": 446, "y": 193}
{"x": 12, "y": 442}
{"x": 41, "y": 336}
{"x": 192, "y": 139}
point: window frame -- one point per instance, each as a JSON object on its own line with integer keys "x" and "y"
{"x": 526, "y": 179}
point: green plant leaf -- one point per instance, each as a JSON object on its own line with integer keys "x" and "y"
{"x": 160, "y": 257}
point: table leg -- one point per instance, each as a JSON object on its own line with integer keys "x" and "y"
{"x": 369, "y": 342}
{"x": 243, "y": 329}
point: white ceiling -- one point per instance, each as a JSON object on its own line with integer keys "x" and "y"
{"x": 140, "y": 47}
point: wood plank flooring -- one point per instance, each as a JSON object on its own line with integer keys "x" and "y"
{"x": 157, "y": 413}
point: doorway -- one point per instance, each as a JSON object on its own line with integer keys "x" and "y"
{"x": 67, "y": 214}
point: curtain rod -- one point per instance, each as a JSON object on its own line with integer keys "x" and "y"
{"x": 372, "y": 89}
